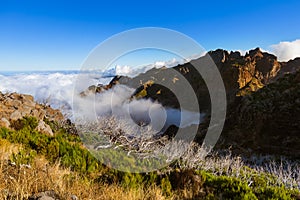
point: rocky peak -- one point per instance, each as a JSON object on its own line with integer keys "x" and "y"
{"x": 219, "y": 55}
{"x": 241, "y": 75}
{"x": 255, "y": 53}
{"x": 235, "y": 55}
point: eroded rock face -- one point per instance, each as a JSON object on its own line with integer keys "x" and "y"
{"x": 241, "y": 76}
{"x": 15, "y": 106}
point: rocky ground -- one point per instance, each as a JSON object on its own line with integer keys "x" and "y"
{"x": 14, "y": 107}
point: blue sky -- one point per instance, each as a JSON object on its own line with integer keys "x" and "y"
{"x": 56, "y": 35}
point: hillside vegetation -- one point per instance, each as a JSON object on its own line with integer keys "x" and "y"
{"x": 59, "y": 166}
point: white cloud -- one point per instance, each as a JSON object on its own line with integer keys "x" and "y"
{"x": 126, "y": 70}
{"x": 243, "y": 52}
{"x": 123, "y": 70}
{"x": 170, "y": 63}
{"x": 286, "y": 51}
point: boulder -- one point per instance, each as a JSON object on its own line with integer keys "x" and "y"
{"x": 15, "y": 115}
{"x": 47, "y": 195}
{"x": 44, "y": 128}
{"x": 25, "y": 110}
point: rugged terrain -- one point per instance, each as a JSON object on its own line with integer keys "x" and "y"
{"x": 262, "y": 99}
{"x": 13, "y": 107}
{"x": 42, "y": 157}
{"x": 266, "y": 121}
{"x": 241, "y": 75}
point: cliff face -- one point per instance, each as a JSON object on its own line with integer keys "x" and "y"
{"x": 14, "y": 107}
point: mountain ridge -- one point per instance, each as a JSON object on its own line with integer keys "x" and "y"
{"x": 245, "y": 78}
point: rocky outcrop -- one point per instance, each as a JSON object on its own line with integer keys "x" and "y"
{"x": 44, "y": 128}
{"x": 241, "y": 76}
{"x": 14, "y": 107}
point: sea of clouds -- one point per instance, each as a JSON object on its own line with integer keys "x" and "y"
{"x": 53, "y": 88}
{"x": 61, "y": 90}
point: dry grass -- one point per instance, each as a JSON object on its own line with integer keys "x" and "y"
{"x": 287, "y": 172}
{"x": 6, "y": 149}
{"x": 20, "y": 182}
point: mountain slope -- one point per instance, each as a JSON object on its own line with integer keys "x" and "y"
{"x": 262, "y": 99}
{"x": 267, "y": 121}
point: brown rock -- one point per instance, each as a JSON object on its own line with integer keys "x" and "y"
{"x": 25, "y": 110}
{"x": 15, "y": 106}
{"x": 15, "y": 115}
{"x": 29, "y": 103}
{"x": 12, "y": 102}
{"x": 53, "y": 114}
{"x": 27, "y": 98}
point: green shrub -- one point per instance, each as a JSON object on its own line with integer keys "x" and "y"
{"x": 27, "y": 121}
{"x": 64, "y": 147}
{"x": 166, "y": 186}
{"x": 24, "y": 156}
{"x": 228, "y": 187}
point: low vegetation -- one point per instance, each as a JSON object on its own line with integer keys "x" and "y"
{"x": 32, "y": 162}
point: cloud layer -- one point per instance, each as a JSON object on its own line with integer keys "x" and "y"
{"x": 126, "y": 70}
{"x": 59, "y": 91}
{"x": 286, "y": 51}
